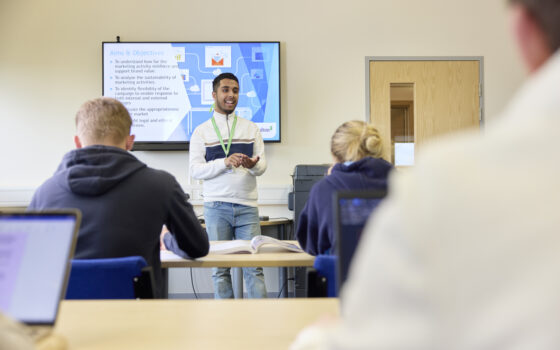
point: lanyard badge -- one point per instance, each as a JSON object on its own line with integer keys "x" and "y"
{"x": 226, "y": 149}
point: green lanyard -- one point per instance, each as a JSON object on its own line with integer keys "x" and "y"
{"x": 226, "y": 150}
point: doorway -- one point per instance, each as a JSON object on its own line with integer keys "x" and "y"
{"x": 414, "y": 99}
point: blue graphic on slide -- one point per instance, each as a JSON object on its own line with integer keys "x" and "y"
{"x": 192, "y": 66}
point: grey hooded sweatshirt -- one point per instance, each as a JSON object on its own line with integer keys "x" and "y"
{"x": 124, "y": 205}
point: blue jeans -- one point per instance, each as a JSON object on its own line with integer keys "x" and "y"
{"x": 227, "y": 221}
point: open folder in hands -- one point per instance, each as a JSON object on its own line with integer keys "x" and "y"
{"x": 257, "y": 244}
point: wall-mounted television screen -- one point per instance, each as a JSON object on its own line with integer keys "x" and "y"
{"x": 167, "y": 86}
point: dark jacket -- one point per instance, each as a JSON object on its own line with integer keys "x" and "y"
{"x": 124, "y": 205}
{"x": 315, "y": 229}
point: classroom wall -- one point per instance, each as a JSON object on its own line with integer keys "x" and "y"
{"x": 50, "y": 62}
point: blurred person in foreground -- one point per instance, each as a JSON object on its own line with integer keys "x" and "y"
{"x": 464, "y": 253}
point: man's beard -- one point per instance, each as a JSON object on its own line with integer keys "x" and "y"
{"x": 222, "y": 106}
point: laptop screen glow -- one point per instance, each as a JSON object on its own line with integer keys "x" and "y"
{"x": 352, "y": 211}
{"x": 35, "y": 251}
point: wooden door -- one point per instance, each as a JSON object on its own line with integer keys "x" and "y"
{"x": 446, "y": 96}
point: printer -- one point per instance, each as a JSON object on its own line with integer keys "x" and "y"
{"x": 304, "y": 177}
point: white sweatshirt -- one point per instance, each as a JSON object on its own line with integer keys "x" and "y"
{"x": 206, "y": 160}
{"x": 464, "y": 252}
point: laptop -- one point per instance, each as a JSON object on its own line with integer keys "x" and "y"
{"x": 36, "y": 249}
{"x": 352, "y": 210}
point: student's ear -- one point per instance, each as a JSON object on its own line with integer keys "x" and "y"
{"x": 214, "y": 95}
{"x": 532, "y": 40}
{"x": 77, "y": 142}
{"x": 129, "y": 142}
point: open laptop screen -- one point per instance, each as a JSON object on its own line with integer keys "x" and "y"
{"x": 351, "y": 212}
{"x": 35, "y": 254}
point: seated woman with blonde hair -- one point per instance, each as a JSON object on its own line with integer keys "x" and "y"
{"x": 357, "y": 150}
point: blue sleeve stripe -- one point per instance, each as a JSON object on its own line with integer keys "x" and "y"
{"x": 216, "y": 152}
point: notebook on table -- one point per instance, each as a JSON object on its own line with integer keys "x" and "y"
{"x": 36, "y": 249}
{"x": 352, "y": 210}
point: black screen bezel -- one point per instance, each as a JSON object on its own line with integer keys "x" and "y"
{"x": 184, "y": 145}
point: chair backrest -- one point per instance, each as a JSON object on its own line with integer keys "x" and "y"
{"x": 326, "y": 269}
{"x": 113, "y": 278}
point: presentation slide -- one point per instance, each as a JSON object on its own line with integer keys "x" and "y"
{"x": 167, "y": 87}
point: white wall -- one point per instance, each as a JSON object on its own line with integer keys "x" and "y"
{"x": 50, "y": 62}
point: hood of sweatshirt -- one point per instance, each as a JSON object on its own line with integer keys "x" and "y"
{"x": 365, "y": 173}
{"x": 94, "y": 170}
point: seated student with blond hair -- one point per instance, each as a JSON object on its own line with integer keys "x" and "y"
{"x": 124, "y": 203}
{"x": 357, "y": 149}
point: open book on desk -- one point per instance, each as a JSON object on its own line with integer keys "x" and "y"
{"x": 258, "y": 244}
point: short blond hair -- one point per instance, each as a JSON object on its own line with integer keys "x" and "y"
{"x": 102, "y": 120}
{"x": 355, "y": 140}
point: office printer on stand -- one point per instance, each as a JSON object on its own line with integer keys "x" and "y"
{"x": 304, "y": 177}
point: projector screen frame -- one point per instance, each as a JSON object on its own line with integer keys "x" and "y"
{"x": 184, "y": 145}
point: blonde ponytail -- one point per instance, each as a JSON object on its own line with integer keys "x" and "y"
{"x": 355, "y": 140}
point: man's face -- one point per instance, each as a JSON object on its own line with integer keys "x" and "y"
{"x": 226, "y": 96}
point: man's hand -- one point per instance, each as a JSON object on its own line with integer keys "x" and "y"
{"x": 235, "y": 160}
{"x": 249, "y": 163}
{"x": 314, "y": 336}
{"x": 164, "y": 231}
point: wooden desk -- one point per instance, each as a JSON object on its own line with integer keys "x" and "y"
{"x": 188, "y": 324}
{"x": 276, "y": 259}
{"x": 283, "y": 224}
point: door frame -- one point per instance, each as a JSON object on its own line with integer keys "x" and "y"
{"x": 480, "y": 59}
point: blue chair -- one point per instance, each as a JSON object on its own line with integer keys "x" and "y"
{"x": 114, "y": 278}
{"x": 321, "y": 281}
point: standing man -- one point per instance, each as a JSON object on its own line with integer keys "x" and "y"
{"x": 465, "y": 251}
{"x": 124, "y": 203}
{"x": 227, "y": 152}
